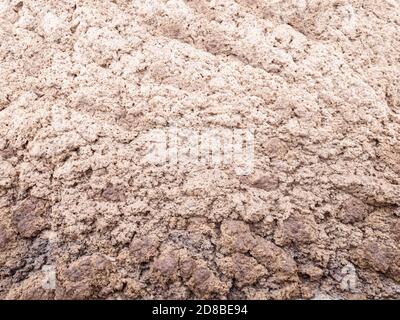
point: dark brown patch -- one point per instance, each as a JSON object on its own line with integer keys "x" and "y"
{"x": 29, "y": 217}
{"x": 166, "y": 265}
{"x": 299, "y": 229}
{"x": 353, "y": 210}
{"x": 3, "y": 237}
{"x": 374, "y": 255}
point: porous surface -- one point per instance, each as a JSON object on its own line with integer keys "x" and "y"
{"x": 82, "y": 81}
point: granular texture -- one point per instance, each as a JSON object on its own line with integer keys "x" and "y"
{"x": 82, "y": 216}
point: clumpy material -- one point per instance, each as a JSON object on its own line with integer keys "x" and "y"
{"x": 82, "y": 216}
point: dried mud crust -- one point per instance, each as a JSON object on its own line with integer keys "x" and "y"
{"x": 82, "y": 81}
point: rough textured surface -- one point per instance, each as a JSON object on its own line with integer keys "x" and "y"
{"x": 82, "y": 81}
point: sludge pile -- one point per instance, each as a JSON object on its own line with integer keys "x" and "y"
{"x": 83, "y": 216}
